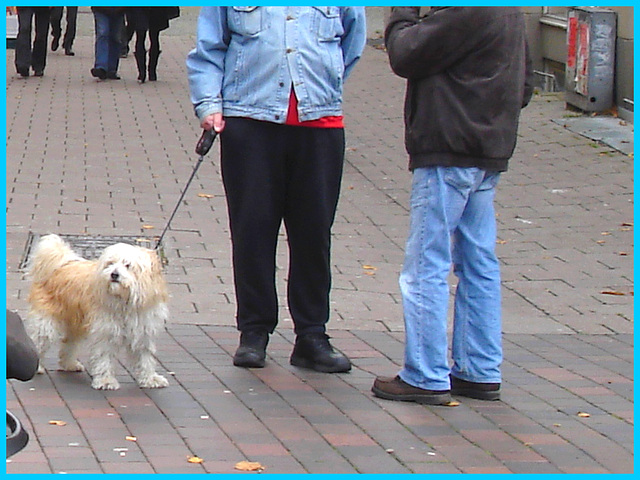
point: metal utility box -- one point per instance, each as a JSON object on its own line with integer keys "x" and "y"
{"x": 591, "y": 46}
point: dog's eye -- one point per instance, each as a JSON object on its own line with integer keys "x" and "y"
{"x": 127, "y": 265}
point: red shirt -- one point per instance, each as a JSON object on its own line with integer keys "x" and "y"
{"x": 324, "y": 122}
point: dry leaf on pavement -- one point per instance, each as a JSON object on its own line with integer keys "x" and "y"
{"x": 58, "y": 423}
{"x": 612, "y": 292}
{"x": 249, "y": 466}
{"x": 194, "y": 459}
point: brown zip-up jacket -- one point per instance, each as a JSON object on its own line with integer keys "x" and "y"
{"x": 468, "y": 75}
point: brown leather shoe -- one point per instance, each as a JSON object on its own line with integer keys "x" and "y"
{"x": 480, "y": 391}
{"x": 394, "y": 388}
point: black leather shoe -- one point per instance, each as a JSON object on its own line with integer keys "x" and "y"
{"x": 100, "y": 73}
{"x": 113, "y": 76}
{"x": 252, "y": 350}
{"x": 38, "y": 73}
{"x": 68, "y": 52}
{"x": 23, "y": 72}
{"x": 480, "y": 391}
{"x": 55, "y": 43}
{"x": 314, "y": 351}
{"x": 394, "y": 388}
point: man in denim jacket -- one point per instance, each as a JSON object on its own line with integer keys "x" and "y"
{"x": 270, "y": 79}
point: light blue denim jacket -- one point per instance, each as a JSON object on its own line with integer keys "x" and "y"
{"x": 247, "y": 59}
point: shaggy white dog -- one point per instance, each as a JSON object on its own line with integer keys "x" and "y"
{"x": 118, "y": 302}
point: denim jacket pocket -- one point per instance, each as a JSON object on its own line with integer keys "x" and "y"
{"x": 328, "y": 24}
{"x": 246, "y": 21}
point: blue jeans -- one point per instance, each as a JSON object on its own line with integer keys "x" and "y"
{"x": 108, "y": 46}
{"x": 452, "y": 223}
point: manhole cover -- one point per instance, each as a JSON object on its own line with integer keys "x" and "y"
{"x": 91, "y": 247}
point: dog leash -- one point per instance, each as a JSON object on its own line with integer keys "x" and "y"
{"x": 202, "y": 148}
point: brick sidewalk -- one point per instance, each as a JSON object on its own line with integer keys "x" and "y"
{"x": 296, "y": 421}
{"x": 111, "y": 158}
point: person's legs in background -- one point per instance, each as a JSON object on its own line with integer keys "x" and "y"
{"x": 39, "y": 53}
{"x": 101, "y": 64}
{"x": 70, "y": 30}
{"x": 23, "y": 41}
{"x": 56, "y": 27}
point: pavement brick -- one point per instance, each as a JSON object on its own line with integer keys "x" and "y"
{"x": 111, "y": 158}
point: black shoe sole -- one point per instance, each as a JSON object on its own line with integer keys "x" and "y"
{"x": 248, "y": 363}
{"x": 318, "y": 367}
{"x": 423, "y": 399}
{"x": 477, "y": 394}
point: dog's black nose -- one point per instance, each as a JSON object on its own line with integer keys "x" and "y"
{"x": 115, "y": 276}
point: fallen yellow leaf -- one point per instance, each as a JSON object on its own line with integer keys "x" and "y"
{"x": 58, "y": 423}
{"x": 583, "y": 414}
{"x": 148, "y": 227}
{"x": 205, "y": 195}
{"x": 369, "y": 267}
{"x": 194, "y": 459}
{"x": 611, "y": 292}
{"x": 249, "y": 466}
{"x": 131, "y": 438}
{"x": 452, "y": 403}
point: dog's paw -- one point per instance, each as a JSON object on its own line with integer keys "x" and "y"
{"x": 154, "y": 381}
{"x": 75, "y": 366}
{"x": 105, "y": 383}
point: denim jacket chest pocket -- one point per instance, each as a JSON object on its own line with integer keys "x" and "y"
{"x": 328, "y": 24}
{"x": 247, "y": 21}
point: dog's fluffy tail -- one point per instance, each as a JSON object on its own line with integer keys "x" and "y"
{"x": 50, "y": 253}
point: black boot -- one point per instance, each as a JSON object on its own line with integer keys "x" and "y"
{"x": 153, "y": 64}
{"x": 141, "y": 63}
{"x": 313, "y": 350}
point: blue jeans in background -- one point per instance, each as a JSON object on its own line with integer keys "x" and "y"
{"x": 452, "y": 223}
{"x": 108, "y": 40}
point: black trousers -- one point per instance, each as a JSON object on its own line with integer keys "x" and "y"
{"x": 272, "y": 174}
{"x": 26, "y": 56}
{"x": 70, "y": 29}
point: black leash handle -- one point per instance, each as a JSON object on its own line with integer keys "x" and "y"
{"x": 205, "y": 142}
{"x": 202, "y": 148}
